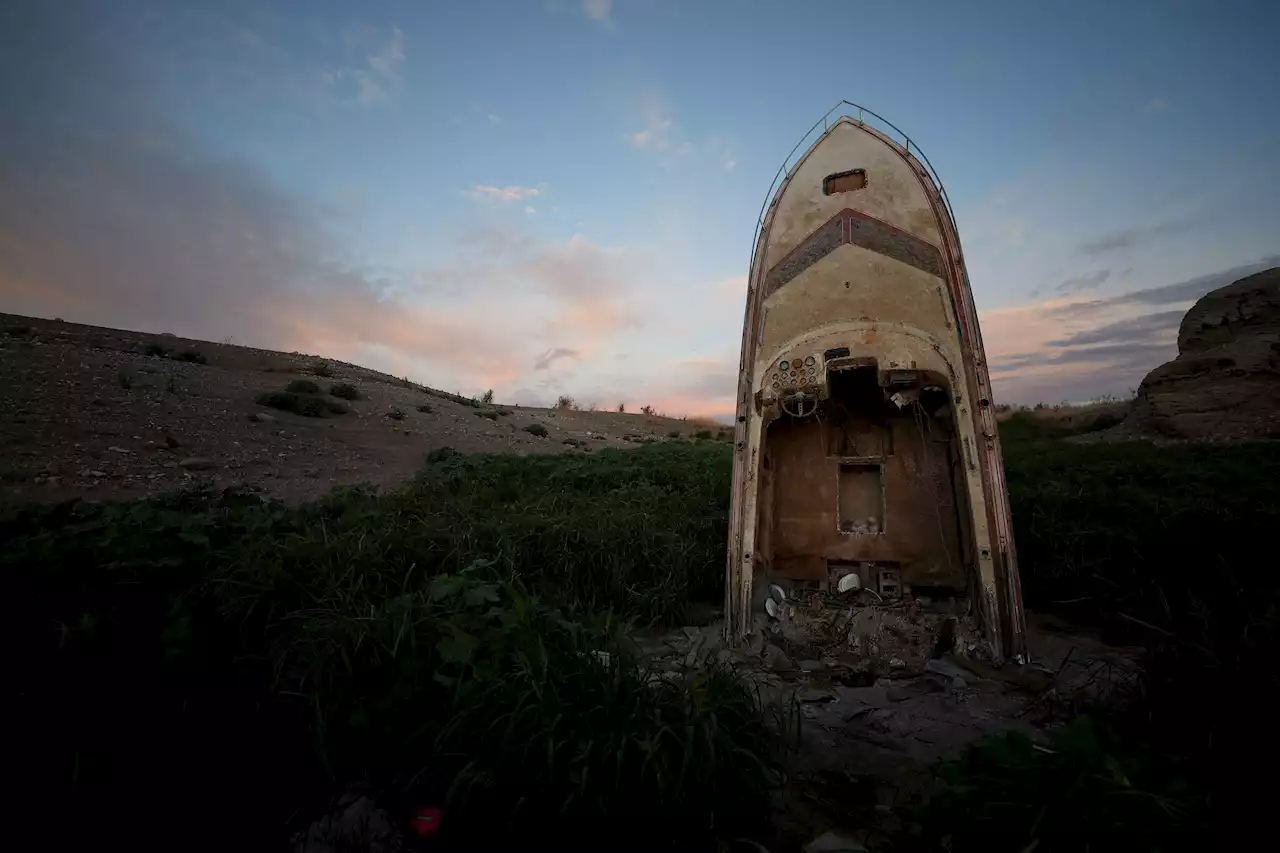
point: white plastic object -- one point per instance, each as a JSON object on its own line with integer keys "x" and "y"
{"x": 848, "y": 582}
{"x": 778, "y": 593}
{"x": 771, "y": 607}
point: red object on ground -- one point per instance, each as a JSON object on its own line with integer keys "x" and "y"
{"x": 426, "y": 820}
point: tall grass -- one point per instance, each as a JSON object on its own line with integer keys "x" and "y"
{"x": 457, "y": 643}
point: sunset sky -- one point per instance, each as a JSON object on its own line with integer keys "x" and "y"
{"x": 551, "y": 197}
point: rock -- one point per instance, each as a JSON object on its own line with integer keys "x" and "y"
{"x": 97, "y": 474}
{"x": 1225, "y": 382}
{"x": 945, "y": 668}
{"x": 776, "y": 659}
{"x": 198, "y": 463}
{"x": 170, "y": 441}
{"x": 831, "y": 842}
{"x": 896, "y": 663}
{"x": 261, "y": 418}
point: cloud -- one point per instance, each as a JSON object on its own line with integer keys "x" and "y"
{"x": 725, "y": 151}
{"x": 551, "y": 356}
{"x": 494, "y": 118}
{"x": 1161, "y": 324}
{"x": 370, "y": 83}
{"x": 1156, "y": 105}
{"x": 530, "y": 209}
{"x": 1083, "y": 282}
{"x": 1182, "y": 291}
{"x": 655, "y": 136}
{"x": 502, "y": 194}
{"x": 600, "y": 11}
{"x": 1127, "y": 238}
{"x": 1078, "y": 350}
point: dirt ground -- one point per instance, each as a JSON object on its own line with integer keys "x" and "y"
{"x": 86, "y": 412}
{"x": 880, "y": 701}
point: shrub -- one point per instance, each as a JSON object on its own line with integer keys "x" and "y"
{"x": 157, "y": 350}
{"x": 345, "y": 390}
{"x": 192, "y": 356}
{"x": 565, "y": 402}
{"x": 171, "y": 384}
{"x": 675, "y": 433}
{"x": 646, "y": 410}
{"x": 321, "y": 369}
{"x": 18, "y": 331}
{"x": 572, "y": 442}
{"x": 425, "y": 409}
{"x": 302, "y": 386}
{"x": 702, "y": 434}
{"x": 395, "y": 415}
{"x": 125, "y": 379}
{"x": 307, "y": 405}
{"x": 493, "y": 416}
{"x": 622, "y": 407}
{"x": 536, "y": 429}
{"x": 488, "y": 397}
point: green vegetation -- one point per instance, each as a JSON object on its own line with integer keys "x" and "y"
{"x": 192, "y": 357}
{"x": 1158, "y": 546}
{"x": 321, "y": 368}
{"x": 302, "y": 386}
{"x": 565, "y": 402}
{"x": 703, "y": 434}
{"x": 157, "y": 350}
{"x": 307, "y": 405}
{"x": 675, "y": 433}
{"x": 456, "y": 642}
{"x": 425, "y": 408}
{"x": 345, "y": 390}
{"x": 18, "y": 331}
{"x": 487, "y": 398}
{"x": 395, "y": 414}
{"x": 490, "y": 415}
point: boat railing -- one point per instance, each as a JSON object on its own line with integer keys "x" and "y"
{"x": 863, "y": 116}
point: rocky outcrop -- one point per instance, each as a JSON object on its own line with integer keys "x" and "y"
{"x": 1225, "y": 382}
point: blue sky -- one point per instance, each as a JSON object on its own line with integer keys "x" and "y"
{"x": 558, "y": 196}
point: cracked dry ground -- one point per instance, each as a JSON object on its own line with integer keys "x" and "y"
{"x": 86, "y": 412}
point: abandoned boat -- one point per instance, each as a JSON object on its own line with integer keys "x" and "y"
{"x": 866, "y": 451}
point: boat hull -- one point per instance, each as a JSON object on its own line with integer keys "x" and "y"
{"x": 866, "y": 449}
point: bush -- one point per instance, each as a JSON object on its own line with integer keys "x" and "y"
{"x": 307, "y": 405}
{"x": 408, "y": 641}
{"x": 488, "y": 397}
{"x": 192, "y": 356}
{"x": 157, "y": 350}
{"x": 493, "y": 416}
{"x": 566, "y": 402}
{"x": 675, "y": 433}
{"x": 321, "y": 369}
{"x": 395, "y": 415}
{"x": 646, "y": 410}
{"x": 703, "y": 434}
{"x": 536, "y": 429}
{"x": 345, "y": 390}
{"x": 125, "y": 379}
{"x": 302, "y": 386}
{"x": 572, "y": 442}
{"x": 425, "y": 409}
{"x": 18, "y": 331}
{"x": 622, "y": 407}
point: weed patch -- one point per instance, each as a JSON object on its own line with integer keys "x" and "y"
{"x": 302, "y": 386}
{"x": 536, "y": 429}
{"x": 321, "y": 369}
{"x": 345, "y": 390}
{"x": 307, "y": 405}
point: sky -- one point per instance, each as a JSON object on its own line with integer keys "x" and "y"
{"x": 548, "y": 197}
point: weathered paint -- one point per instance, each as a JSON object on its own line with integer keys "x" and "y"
{"x": 876, "y": 270}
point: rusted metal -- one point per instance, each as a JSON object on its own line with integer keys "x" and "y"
{"x": 875, "y": 275}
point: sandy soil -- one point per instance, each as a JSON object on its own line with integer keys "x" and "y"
{"x": 85, "y": 412}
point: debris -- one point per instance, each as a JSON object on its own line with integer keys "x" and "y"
{"x": 198, "y": 463}
{"x": 944, "y": 668}
{"x": 831, "y": 842}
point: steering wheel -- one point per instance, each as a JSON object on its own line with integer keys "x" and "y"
{"x": 799, "y": 399}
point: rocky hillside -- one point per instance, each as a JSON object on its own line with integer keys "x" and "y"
{"x": 104, "y": 413}
{"x": 1225, "y": 382}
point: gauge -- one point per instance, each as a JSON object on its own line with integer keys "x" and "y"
{"x": 784, "y": 364}
{"x": 813, "y": 371}
{"x": 809, "y": 361}
{"x": 776, "y": 386}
